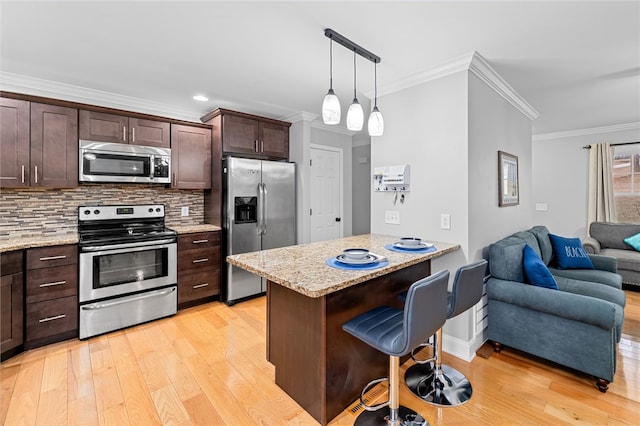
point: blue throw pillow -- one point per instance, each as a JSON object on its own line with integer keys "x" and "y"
{"x": 569, "y": 253}
{"x": 633, "y": 241}
{"x": 536, "y": 271}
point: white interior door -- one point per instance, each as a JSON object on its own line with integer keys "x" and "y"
{"x": 326, "y": 193}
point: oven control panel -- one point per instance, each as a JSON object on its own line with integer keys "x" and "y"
{"x": 121, "y": 212}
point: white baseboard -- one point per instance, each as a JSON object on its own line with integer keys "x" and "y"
{"x": 460, "y": 348}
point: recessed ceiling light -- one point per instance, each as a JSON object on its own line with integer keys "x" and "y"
{"x": 201, "y": 98}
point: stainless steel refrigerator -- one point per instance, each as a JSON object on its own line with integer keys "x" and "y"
{"x": 258, "y": 214}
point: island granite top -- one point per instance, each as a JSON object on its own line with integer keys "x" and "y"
{"x": 302, "y": 268}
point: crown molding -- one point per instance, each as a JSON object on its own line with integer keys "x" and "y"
{"x": 299, "y": 116}
{"x": 473, "y": 62}
{"x": 38, "y": 87}
{"x": 481, "y": 68}
{"x": 586, "y": 132}
{"x": 318, "y": 124}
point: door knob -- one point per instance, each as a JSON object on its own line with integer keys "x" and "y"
{"x": 338, "y": 219}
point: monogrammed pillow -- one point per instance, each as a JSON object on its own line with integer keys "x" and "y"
{"x": 568, "y": 253}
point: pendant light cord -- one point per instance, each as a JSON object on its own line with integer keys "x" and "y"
{"x": 330, "y": 64}
{"x": 354, "y": 75}
{"x": 375, "y": 84}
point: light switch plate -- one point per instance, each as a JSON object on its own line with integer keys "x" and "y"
{"x": 392, "y": 217}
{"x": 184, "y": 211}
{"x": 445, "y": 221}
{"x": 541, "y": 207}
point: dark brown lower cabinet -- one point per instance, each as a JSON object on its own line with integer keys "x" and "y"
{"x": 51, "y": 295}
{"x": 12, "y": 304}
{"x": 198, "y": 267}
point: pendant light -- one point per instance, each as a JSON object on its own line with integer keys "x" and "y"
{"x": 376, "y": 122}
{"x": 355, "y": 115}
{"x": 331, "y": 105}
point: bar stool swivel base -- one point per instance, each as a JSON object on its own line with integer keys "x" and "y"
{"x": 441, "y": 387}
{"x": 380, "y": 417}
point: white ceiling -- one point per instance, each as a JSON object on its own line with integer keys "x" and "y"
{"x": 576, "y": 63}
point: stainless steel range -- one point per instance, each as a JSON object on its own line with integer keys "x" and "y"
{"x": 128, "y": 267}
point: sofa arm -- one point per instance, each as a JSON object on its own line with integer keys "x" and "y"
{"x": 604, "y": 263}
{"x": 591, "y": 245}
{"x": 571, "y": 306}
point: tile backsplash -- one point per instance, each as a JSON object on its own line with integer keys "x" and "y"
{"x": 35, "y": 211}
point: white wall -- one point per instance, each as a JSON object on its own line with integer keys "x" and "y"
{"x": 561, "y": 177}
{"x": 362, "y": 186}
{"x": 449, "y": 131}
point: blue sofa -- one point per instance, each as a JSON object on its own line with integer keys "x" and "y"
{"x": 577, "y": 326}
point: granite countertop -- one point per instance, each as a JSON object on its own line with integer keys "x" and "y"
{"x": 302, "y": 268}
{"x": 41, "y": 240}
{"x": 190, "y": 229}
{"x": 19, "y": 243}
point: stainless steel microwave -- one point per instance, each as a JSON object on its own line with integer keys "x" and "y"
{"x": 123, "y": 163}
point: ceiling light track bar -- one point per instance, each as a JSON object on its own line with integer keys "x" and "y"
{"x": 338, "y": 38}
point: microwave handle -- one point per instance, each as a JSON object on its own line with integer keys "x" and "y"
{"x": 152, "y": 169}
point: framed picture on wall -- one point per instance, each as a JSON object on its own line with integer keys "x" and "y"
{"x": 508, "y": 182}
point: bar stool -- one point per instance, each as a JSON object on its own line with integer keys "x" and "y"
{"x": 396, "y": 332}
{"x": 443, "y": 385}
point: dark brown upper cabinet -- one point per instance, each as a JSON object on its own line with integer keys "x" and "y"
{"x": 104, "y": 127}
{"x": 38, "y": 145}
{"x": 251, "y": 135}
{"x": 190, "y": 157}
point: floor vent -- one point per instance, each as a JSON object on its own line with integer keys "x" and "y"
{"x": 369, "y": 397}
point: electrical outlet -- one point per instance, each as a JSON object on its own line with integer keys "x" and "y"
{"x": 541, "y": 207}
{"x": 445, "y": 221}
{"x": 184, "y": 211}
{"x": 392, "y": 217}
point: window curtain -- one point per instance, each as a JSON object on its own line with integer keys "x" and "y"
{"x": 602, "y": 206}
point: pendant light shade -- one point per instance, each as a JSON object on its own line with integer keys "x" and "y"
{"x": 376, "y": 122}
{"x": 331, "y": 105}
{"x": 355, "y": 115}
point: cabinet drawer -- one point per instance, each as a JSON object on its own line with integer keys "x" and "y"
{"x": 52, "y": 317}
{"x": 47, "y": 257}
{"x": 52, "y": 283}
{"x": 11, "y": 262}
{"x": 198, "y": 285}
{"x": 208, "y": 257}
{"x": 198, "y": 240}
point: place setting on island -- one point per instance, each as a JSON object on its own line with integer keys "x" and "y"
{"x": 362, "y": 258}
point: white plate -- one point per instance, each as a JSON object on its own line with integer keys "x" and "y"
{"x": 370, "y": 258}
{"x": 400, "y": 244}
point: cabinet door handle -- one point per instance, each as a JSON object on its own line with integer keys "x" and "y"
{"x": 56, "y": 317}
{"x": 52, "y": 284}
{"x": 200, "y": 285}
{"x": 201, "y": 260}
{"x": 173, "y": 178}
{"x": 255, "y": 145}
{"x": 22, "y": 173}
{"x": 199, "y": 241}
{"x": 124, "y": 133}
{"x": 53, "y": 258}
{"x": 36, "y": 167}
{"x": 133, "y": 134}
{"x": 261, "y": 146}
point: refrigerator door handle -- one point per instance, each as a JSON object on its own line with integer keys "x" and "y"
{"x": 260, "y": 208}
{"x": 264, "y": 208}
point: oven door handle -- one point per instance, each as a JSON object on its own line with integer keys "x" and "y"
{"x": 128, "y": 245}
{"x": 104, "y": 305}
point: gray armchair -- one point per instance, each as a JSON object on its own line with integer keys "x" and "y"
{"x": 608, "y": 239}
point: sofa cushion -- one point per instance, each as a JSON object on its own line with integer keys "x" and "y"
{"x": 627, "y": 259}
{"x": 633, "y": 242}
{"x": 568, "y": 253}
{"x": 542, "y": 235}
{"x": 591, "y": 275}
{"x": 536, "y": 271}
{"x": 612, "y": 235}
{"x": 505, "y": 259}
{"x": 597, "y": 290}
{"x": 529, "y": 239}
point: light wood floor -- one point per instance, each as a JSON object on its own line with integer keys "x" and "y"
{"x": 207, "y": 366}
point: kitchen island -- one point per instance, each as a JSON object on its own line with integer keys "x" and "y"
{"x": 319, "y": 365}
